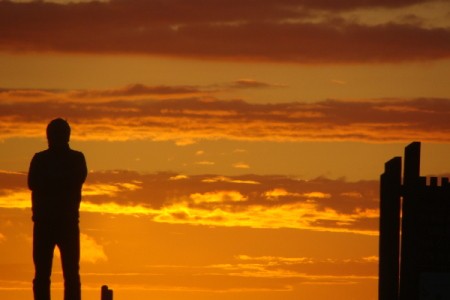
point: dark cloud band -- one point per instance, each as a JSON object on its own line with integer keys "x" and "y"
{"x": 269, "y": 30}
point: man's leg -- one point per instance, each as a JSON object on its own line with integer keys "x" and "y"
{"x": 69, "y": 246}
{"x": 43, "y": 247}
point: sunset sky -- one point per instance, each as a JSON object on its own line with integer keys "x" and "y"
{"x": 234, "y": 147}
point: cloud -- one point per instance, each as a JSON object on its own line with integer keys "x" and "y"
{"x": 217, "y": 197}
{"x": 179, "y": 177}
{"x": 109, "y": 190}
{"x": 15, "y": 198}
{"x": 241, "y": 165}
{"x": 91, "y": 251}
{"x": 247, "y": 273}
{"x": 338, "y": 82}
{"x": 240, "y": 201}
{"x": 302, "y": 215}
{"x": 12, "y": 180}
{"x": 190, "y": 119}
{"x": 137, "y": 91}
{"x": 228, "y": 179}
{"x": 218, "y": 202}
{"x": 279, "y": 193}
{"x": 251, "y": 83}
{"x": 205, "y": 163}
{"x": 279, "y": 269}
{"x": 311, "y": 269}
{"x": 283, "y": 31}
{"x": 130, "y": 92}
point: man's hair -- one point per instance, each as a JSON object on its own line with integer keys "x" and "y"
{"x": 58, "y": 131}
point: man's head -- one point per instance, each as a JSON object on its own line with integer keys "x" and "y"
{"x": 58, "y": 133}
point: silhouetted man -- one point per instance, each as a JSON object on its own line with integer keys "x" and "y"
{"x": 55, "y": 178}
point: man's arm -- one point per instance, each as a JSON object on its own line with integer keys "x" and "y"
{"x": 84, "y": 170}
{"x": 33, "y": 177}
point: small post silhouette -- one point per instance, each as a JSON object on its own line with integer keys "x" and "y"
{"x": 107, "y": 294}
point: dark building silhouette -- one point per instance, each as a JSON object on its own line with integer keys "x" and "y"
{"x": 414, "y": 248}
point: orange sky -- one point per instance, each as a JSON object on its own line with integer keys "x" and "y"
{"x": 234, "y": 147}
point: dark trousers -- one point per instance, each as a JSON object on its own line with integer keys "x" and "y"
{"x": 65, "y": 235}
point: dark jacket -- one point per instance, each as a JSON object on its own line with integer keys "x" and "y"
{"x": 55, "y": 178}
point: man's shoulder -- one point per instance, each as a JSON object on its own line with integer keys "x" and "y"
{"x": 76, "y": 157}
{"x": 76, "y": 153}
{"x": 42, "y": 153}
{"x": 48, "y": 153}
